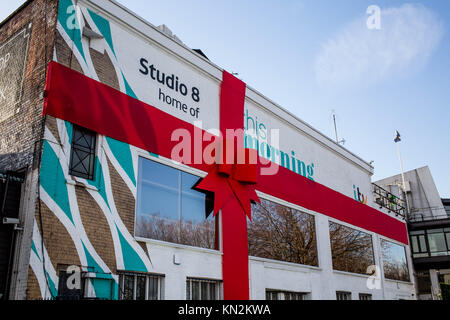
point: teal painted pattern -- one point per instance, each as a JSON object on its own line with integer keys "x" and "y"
{"x": 104, "y": 28}
{"x": 99, "y": 181}
{"x": 67, "y": 19}
{"x": 131, "y": 260}
{"x": 53, "y": 180}
{"x": 122, "y": 152}
{"x": 51, "y": 284}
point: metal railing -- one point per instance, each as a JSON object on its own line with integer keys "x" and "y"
{"x": 419, "y": 217}
{"x": 389, "y": 201}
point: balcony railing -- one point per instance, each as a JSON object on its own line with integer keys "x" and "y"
{"x": 389, "y": 201}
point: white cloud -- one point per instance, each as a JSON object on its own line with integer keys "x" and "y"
{"x": 359, "y": 56}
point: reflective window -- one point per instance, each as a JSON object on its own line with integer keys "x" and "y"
{"x": 169, "y": 209}
{"x": 418, "y": 244}
{"x": 351, "y": 250}
{"x": 437, "y": 242}
{"x": 395, "y": 265}
{"x": 282, "y": 233}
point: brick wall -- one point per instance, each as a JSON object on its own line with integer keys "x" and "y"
{"x": 21, "y": 133}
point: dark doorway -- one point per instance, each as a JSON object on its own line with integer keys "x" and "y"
{"x": 10, "y": 193}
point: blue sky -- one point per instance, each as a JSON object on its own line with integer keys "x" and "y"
{"x": 316, "y": 56}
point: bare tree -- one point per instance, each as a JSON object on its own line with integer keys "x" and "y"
{"x": 282, "y": 233}
{"x": 394, "y": 261}
{"x": 351, "y": 249}
{"x": 184, "y": 232}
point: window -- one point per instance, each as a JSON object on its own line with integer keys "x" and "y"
{"x": 395, "y": 265}
{"x": 203, "y": 289}
{"x": 343, "y": 295}
{"x": 140, "y": 286}
{"x": 82, "y": 156}
{"x": 418, "y": 244}
{"x": 365, "y": 296}
{"x": 169, "y": 209}
{"x": 285, "y": 295}
{"x": 351, "y": 250}
{"x": 281, "y": 233}
{"x": 438, "y": 241}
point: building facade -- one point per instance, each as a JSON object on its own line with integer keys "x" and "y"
{"x": 429, "y": 230}
{"x": 110, "y": 202}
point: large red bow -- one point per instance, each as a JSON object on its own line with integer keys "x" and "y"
{"x": 234, "y": 176}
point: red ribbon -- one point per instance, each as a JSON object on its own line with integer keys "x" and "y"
{"x": 233, "y": 181}
{"x": 233, "y": 184}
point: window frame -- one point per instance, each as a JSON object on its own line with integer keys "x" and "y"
{"x": 92, "y": 153}
{"x": 364, "y": 296}
{"x": 382, "y": 238}
{"x": 354, "y": 228}
{"x": 267, "y": 197}
{"x": 281, "y": 294}
{"x": 218, "y": 288}
{"x": 160, "y": 278}
{"x": 347, "y": 294}
{"x": 184, "y": 169}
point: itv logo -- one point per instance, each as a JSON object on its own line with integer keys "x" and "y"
{"x": 358, "y": 195}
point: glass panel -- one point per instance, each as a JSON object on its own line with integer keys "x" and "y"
{"x": 282, "y": 233}
{"x": 447, "y": 235}
{"x": 352, "y": 250}
{"x": 140, "y": 288}
{"x": 168, "y": 209}
{"x": 343, "y": 296}
{"x": 195, "y": 290}
{"x": 205, "y": 291}
{"x": 196, "y": 230}
{"x": 435, "y": 231}
{"x": 213, "y": 291}
{"x": 417, "y": 232}
{"x": 271, "y": 295}
{"x": 153, "y": 288}
{"x": 415, "y": 244}
{"x": 128, "y": 287}
{"x": 423, "y": 244}
{"x": 82, "y": 153}
{"x": 437, "y": 244}
{"x": 394, "y": 261}
{"x": 188, "y": 290}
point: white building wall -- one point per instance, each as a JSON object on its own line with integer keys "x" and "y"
{"x": 178, "y": 262}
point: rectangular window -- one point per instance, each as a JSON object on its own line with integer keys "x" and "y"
{"x": 82, "y": 156}
{"x": 203, "y": 289}
{"x": 140, "y": 286}
{"x": 437, "y": 242}
{"x": 169, "y": 209}
{"x": 395, "y": 265}
{"x": 281, "y": 233}
{"x": 365, "y": 296}
{"x": 343, "y": 295}
{"x": 285, "y": 295}
{"x": 351, "y": 250}
{"x": 418, "y": 244}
